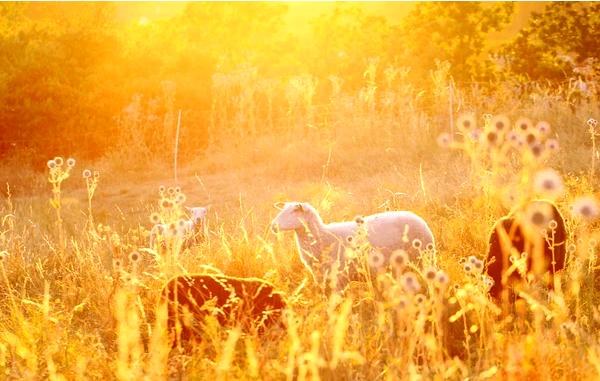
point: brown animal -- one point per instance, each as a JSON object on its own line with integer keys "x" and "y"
{"x": 538, "y": 231}
{"x": 251, "y": 303}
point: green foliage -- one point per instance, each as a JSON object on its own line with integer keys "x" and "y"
{"x": 558, "y": 43}
{"x": 453, "y": 32}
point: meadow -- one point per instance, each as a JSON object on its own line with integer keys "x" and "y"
{"x": 80, "y": 284}
{"x": 76, "y": 305}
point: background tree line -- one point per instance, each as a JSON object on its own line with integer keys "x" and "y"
{"x": 80, "y": 81}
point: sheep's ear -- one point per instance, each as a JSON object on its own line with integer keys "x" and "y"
{"x": 279, "y": 205}
{"x": 299, "y": 207}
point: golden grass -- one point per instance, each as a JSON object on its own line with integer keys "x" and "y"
{"x": 76, "y": 305}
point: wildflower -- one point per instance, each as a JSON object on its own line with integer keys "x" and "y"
{"x": 475, "y": 135}
{"x": 444, "y": 140}
{"x": 442, "y": 278}
{"x": 117, "y": 264}
{"x": 3, "y": 255}
{"x": 523, "y": 124}
{"x": 500, "y": 123}
{"x": 410, "y": 283}
{"x": 177, "y": 189}
{"x": 155, "y": 218}
{"x": 552, "y": 224}
{"x": 552, "y": 145}
{"x": 472, "y": 259}
{"x": 466, "y": 122}
{"x": 87, "y": 173}
{"x": 467, "y": 267}
{"x": 51, "y": 164}
{"x": 134, "y": 256}
{"x": 376, "y": 259}
{"x": 181, "y": 223}
{"x": 430, "y": 274}
{"x": 585, "y": 208}
{"x": 430, "y": 246}
{"x": 571, "y": 248}
{"x": 478, "y": 265}
{"x": 539, "y": 214}
{"x": 96, "y": 174}
{"x": 180, "y": 199}
{"x": 165, "y": 203}
{"x": 488, "y": 282}
{"x": 170, "y": 191}
{"x": 537, "y": 149}
{"x": 402, "y": 303}
{"x": 398, "y": 259}
{"x": 359, "y": 220}
{"x": 161, "y": 189}
{"x": 530, "y": 138}
{"x": 349, "y": 239}
{"x": 592, "y": 123}
{"x": 70, "y": 162}
{"x": 543, "y": 127}
{"x": 59, "y": 161}
{"x": 416, "y": 243}
{"x": 491, "y": 137}
{"x": 548, "y": 182}
{"x": 513, "y": 137}
{"x": 419, "y": 298}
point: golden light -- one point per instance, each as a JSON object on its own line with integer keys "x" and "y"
{"x": 143, "y": 21}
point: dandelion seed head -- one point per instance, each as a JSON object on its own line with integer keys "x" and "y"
{"x": 592, "y": 123}
{"x": 87, "y": 173}
{"x": 444, "y": 140}
{"x": 177, "y": 189}
{"x": 492, "y": 137}
{"x": 51, "y": 164}
{"x": 430, "y": 274}
{"x": 548, "y": 182}
{"x": 410, "y": 283}
{"x": 553, "y": 224}
{"x": 416, "y": 243}
{"x": 161, "y": 189}
{"x": 466, "y": 122}
{"x": 500, "y": 123}
{"x": 586, "y": 208}
{"x": 155, "y": 218}
{"x": 180, "y": 199}
{"x": 70, "y": 162}
{"x": 420, "y": 299}
{"x": 134, "y": 256}
{"x": 523, "y": 124}
{"x": 543, "y": 127}
{"x": 552, "y": 145}
{"x": 467, "y": 267}
{"x": 96, "y": 174}
{"x": 537, "y": 149}
{"x": 59, "y": 161}
{"x": 376, "y": 259}
{"x": 442, "y": 278}
{"x": 398, "y": 259}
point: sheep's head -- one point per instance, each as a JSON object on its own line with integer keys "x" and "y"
{"x": 293, "y": 216}
{"x": 198, "y": 214}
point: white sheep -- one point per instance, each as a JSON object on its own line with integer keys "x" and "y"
{"x": 185, "y": 230}
{"x": 386, "y": 233}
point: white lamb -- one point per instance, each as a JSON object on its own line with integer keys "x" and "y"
{"x": 185, "y": 230}
{"x": 320, "y": 243}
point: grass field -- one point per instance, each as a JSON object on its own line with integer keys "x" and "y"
{"x": 80, "y": 286}
{"x": 69, "y": 313}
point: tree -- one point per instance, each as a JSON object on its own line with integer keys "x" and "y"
{"x": 453, "y": 32}
{"x": 556, "y": 42}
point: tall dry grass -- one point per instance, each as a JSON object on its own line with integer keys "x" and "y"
{"x": 80, "y": 286}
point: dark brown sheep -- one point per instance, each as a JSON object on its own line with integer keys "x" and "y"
{"x": 537, "y": 230}
{"x": 253, "y": 304}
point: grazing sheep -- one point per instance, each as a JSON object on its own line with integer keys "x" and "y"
{"x": 529, "y": 241}
{"x": 248, "y": 302}
{"x": 186, "y": 230}
{"x": 320, "y": 244}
